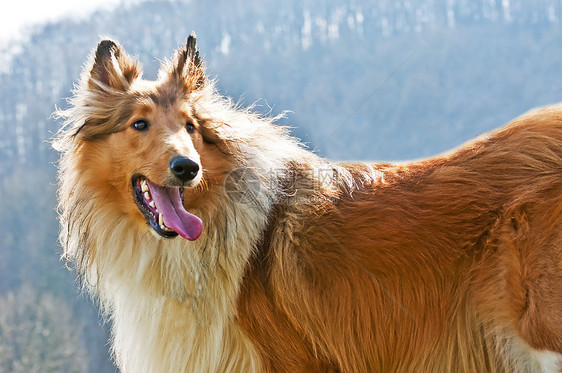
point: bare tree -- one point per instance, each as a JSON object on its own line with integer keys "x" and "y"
{"x": 38, "y": 333}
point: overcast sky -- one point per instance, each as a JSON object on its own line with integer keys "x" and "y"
{"x": 16, "y": 15}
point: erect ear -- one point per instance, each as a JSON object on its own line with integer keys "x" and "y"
{"x": 112, "y": 67}
{"x": 187, "y": 67}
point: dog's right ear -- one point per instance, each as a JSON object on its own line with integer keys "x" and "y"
{"x": 112, "y": 68}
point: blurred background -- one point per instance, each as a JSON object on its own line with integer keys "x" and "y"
{"x": 363, "y": 80}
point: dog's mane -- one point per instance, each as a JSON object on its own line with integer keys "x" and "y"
{"x": 112, "y": 255}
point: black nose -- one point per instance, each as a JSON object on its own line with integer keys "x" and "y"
{"x": 184, "y": 168}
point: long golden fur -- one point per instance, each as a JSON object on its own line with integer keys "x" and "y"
{"x": 450, "y": 264}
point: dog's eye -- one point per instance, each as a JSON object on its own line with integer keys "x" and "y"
{"x": 189, "y": 127}
{"x": 140, "y": 125}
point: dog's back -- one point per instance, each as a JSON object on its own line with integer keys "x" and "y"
{"x": 449, "y": 264}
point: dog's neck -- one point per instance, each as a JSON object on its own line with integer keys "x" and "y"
{"x": 179, "y": 295}
{"x": 147, "y": 284}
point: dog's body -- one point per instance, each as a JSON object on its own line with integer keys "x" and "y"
{"x": 451, "y": 264}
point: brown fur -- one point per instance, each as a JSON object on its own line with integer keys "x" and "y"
{"x": 450, "y": 264}
{"x": 419, "y": 264}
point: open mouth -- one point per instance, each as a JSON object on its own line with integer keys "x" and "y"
{"x": 163, "y": 209}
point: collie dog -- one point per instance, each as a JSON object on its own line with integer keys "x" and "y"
{"x": 215, "y": 242}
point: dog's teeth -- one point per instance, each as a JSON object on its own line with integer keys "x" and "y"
{"x": 152, "y": 204}
{"x": 161, "y": 223}
{"x": 144, "y": 186}
{"x": 147, "y": 196}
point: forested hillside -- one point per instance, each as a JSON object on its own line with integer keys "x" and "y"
{"x": 385, "y": 80}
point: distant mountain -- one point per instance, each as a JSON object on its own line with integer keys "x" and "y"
{"x": 386, "y": 81}
{"x": 475, "y": 64}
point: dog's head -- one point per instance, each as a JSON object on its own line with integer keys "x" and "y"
{"x": 142, "y": 145}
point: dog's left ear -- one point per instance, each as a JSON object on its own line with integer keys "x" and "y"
{"x": 187, "y": 67}
{"x": 112, "y": 67}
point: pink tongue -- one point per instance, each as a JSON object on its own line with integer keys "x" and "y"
{"x": 168, "y": 202}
